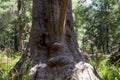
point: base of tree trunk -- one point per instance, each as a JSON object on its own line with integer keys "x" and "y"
{"x": 80, "y": 71}
{"x": 48, "y": 71}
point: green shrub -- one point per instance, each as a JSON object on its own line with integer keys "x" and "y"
{"x": 107, "y": 71}
{"x": 7, "y": 61}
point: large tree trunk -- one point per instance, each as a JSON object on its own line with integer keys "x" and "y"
{"x": 52, "y": 52}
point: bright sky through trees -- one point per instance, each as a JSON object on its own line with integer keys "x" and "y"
{"x": 87, "y": 3}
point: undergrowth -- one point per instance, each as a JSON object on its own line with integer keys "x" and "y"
{"x": 7, "y": 61}
{"x": 106, "y": 70}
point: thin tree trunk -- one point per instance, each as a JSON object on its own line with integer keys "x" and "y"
{"x": 107, "y": 39}
{"x": 47, "y": 56}
{"x": 20, "y": 27}
{"x": 15, "y": 38}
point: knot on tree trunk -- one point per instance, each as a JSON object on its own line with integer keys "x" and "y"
{"x": 58, "y": 55}
{"x": 57, "y": 45}
{"x": 60, "y": 60}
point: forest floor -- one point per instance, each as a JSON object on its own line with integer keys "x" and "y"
{"x": 106, "y": 70}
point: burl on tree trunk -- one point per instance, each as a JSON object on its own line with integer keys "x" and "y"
{"x": 52, "y": 52}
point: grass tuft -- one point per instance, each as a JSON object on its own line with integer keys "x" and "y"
{"x": 7, "y": 62}
{"x": 107, "y": 71}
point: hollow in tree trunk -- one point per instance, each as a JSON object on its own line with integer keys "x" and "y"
{"x": 52, "y": 52}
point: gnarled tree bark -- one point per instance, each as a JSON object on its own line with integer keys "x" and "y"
{"x": 48, "y": 57}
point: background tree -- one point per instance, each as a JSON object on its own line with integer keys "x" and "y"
{"x": 99, "y": 24}
{"x": 9, "y": 23}
{"x": 24, "y": 22}
{"x": 7, "y": 16}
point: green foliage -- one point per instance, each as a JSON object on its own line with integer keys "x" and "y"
{"x": 9, "y": 22}
{"x": 7, "y": 16}
{"x": 97, "y": 25}
{"x": 107, "y": 71}
{"x": 7, "y": 61}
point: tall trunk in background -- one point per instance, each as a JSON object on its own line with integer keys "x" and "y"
{"x": 20, "y": 27}
{"x": 52, "y": 52}
{"x": 101, "y": 42}
{"x": 15, "y": 38}
{"x": 107, "y": 39}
